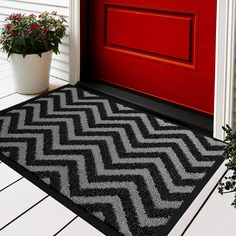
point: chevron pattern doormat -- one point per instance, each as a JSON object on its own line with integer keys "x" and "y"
{"x": 133, "y": 172}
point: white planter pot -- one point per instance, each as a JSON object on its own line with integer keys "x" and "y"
{"x": 31, "y": 74}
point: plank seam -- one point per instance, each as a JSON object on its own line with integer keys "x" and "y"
{"x": 1, "y": 190}
{"x": 65, "y": 226}
{"x": 23, "y": 213}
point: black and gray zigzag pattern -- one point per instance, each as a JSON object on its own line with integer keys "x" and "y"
{"x": 129, "y": 169}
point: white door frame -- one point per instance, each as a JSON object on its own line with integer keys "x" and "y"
{"x": 224, "y": 64}
{"x": 74, "y": 42}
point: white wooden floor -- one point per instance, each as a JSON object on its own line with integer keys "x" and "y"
{"x": 25, "y": 210}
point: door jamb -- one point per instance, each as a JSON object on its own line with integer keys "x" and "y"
{"x": 224, "y": 63}
{"x": 224, "y": 66}
{"x": 74, "y": 41}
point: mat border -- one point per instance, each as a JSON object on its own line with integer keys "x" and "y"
{"x": 78, "y": 210}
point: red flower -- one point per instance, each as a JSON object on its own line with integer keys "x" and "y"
{"x": 13, "y": 33}
{"x": 15, "y": 17}
{"x": 8, "y": 26}
{"x": 32, "y": 16}
{"x": 34, "y": 26}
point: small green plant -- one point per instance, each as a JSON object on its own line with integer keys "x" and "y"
{"x": 228, "y": 184}
{"x": 31, "y": 34}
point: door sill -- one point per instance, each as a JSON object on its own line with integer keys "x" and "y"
{"x": 181, "y": 115}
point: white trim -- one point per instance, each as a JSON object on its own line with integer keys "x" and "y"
{"x": 74, "y": 60}
{"x": 224, "y": 72}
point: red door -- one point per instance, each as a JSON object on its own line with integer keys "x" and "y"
{"x": 165, "y": 49}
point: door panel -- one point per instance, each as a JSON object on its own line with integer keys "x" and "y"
{"x": 136, "y": 25}
{"x": 165, "y": 49}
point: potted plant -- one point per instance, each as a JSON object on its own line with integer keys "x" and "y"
{"x": 29, "y": 41}
{"x": 228, "y": 184}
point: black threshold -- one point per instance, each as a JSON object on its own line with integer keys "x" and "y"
{"x": 178, "y": 114}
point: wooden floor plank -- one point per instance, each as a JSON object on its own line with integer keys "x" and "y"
{"x": 23, "y": 192}
{"x": 55, "y": 83}
{"x": 16, "y": 98}
{"x": 45, "y": 219}
{"x": 7, "y": 176}
{"x": 217, "y": 217}
{"x": 79, "y": 227}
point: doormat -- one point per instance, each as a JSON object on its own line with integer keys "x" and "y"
{"x": 125, "y": 171}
